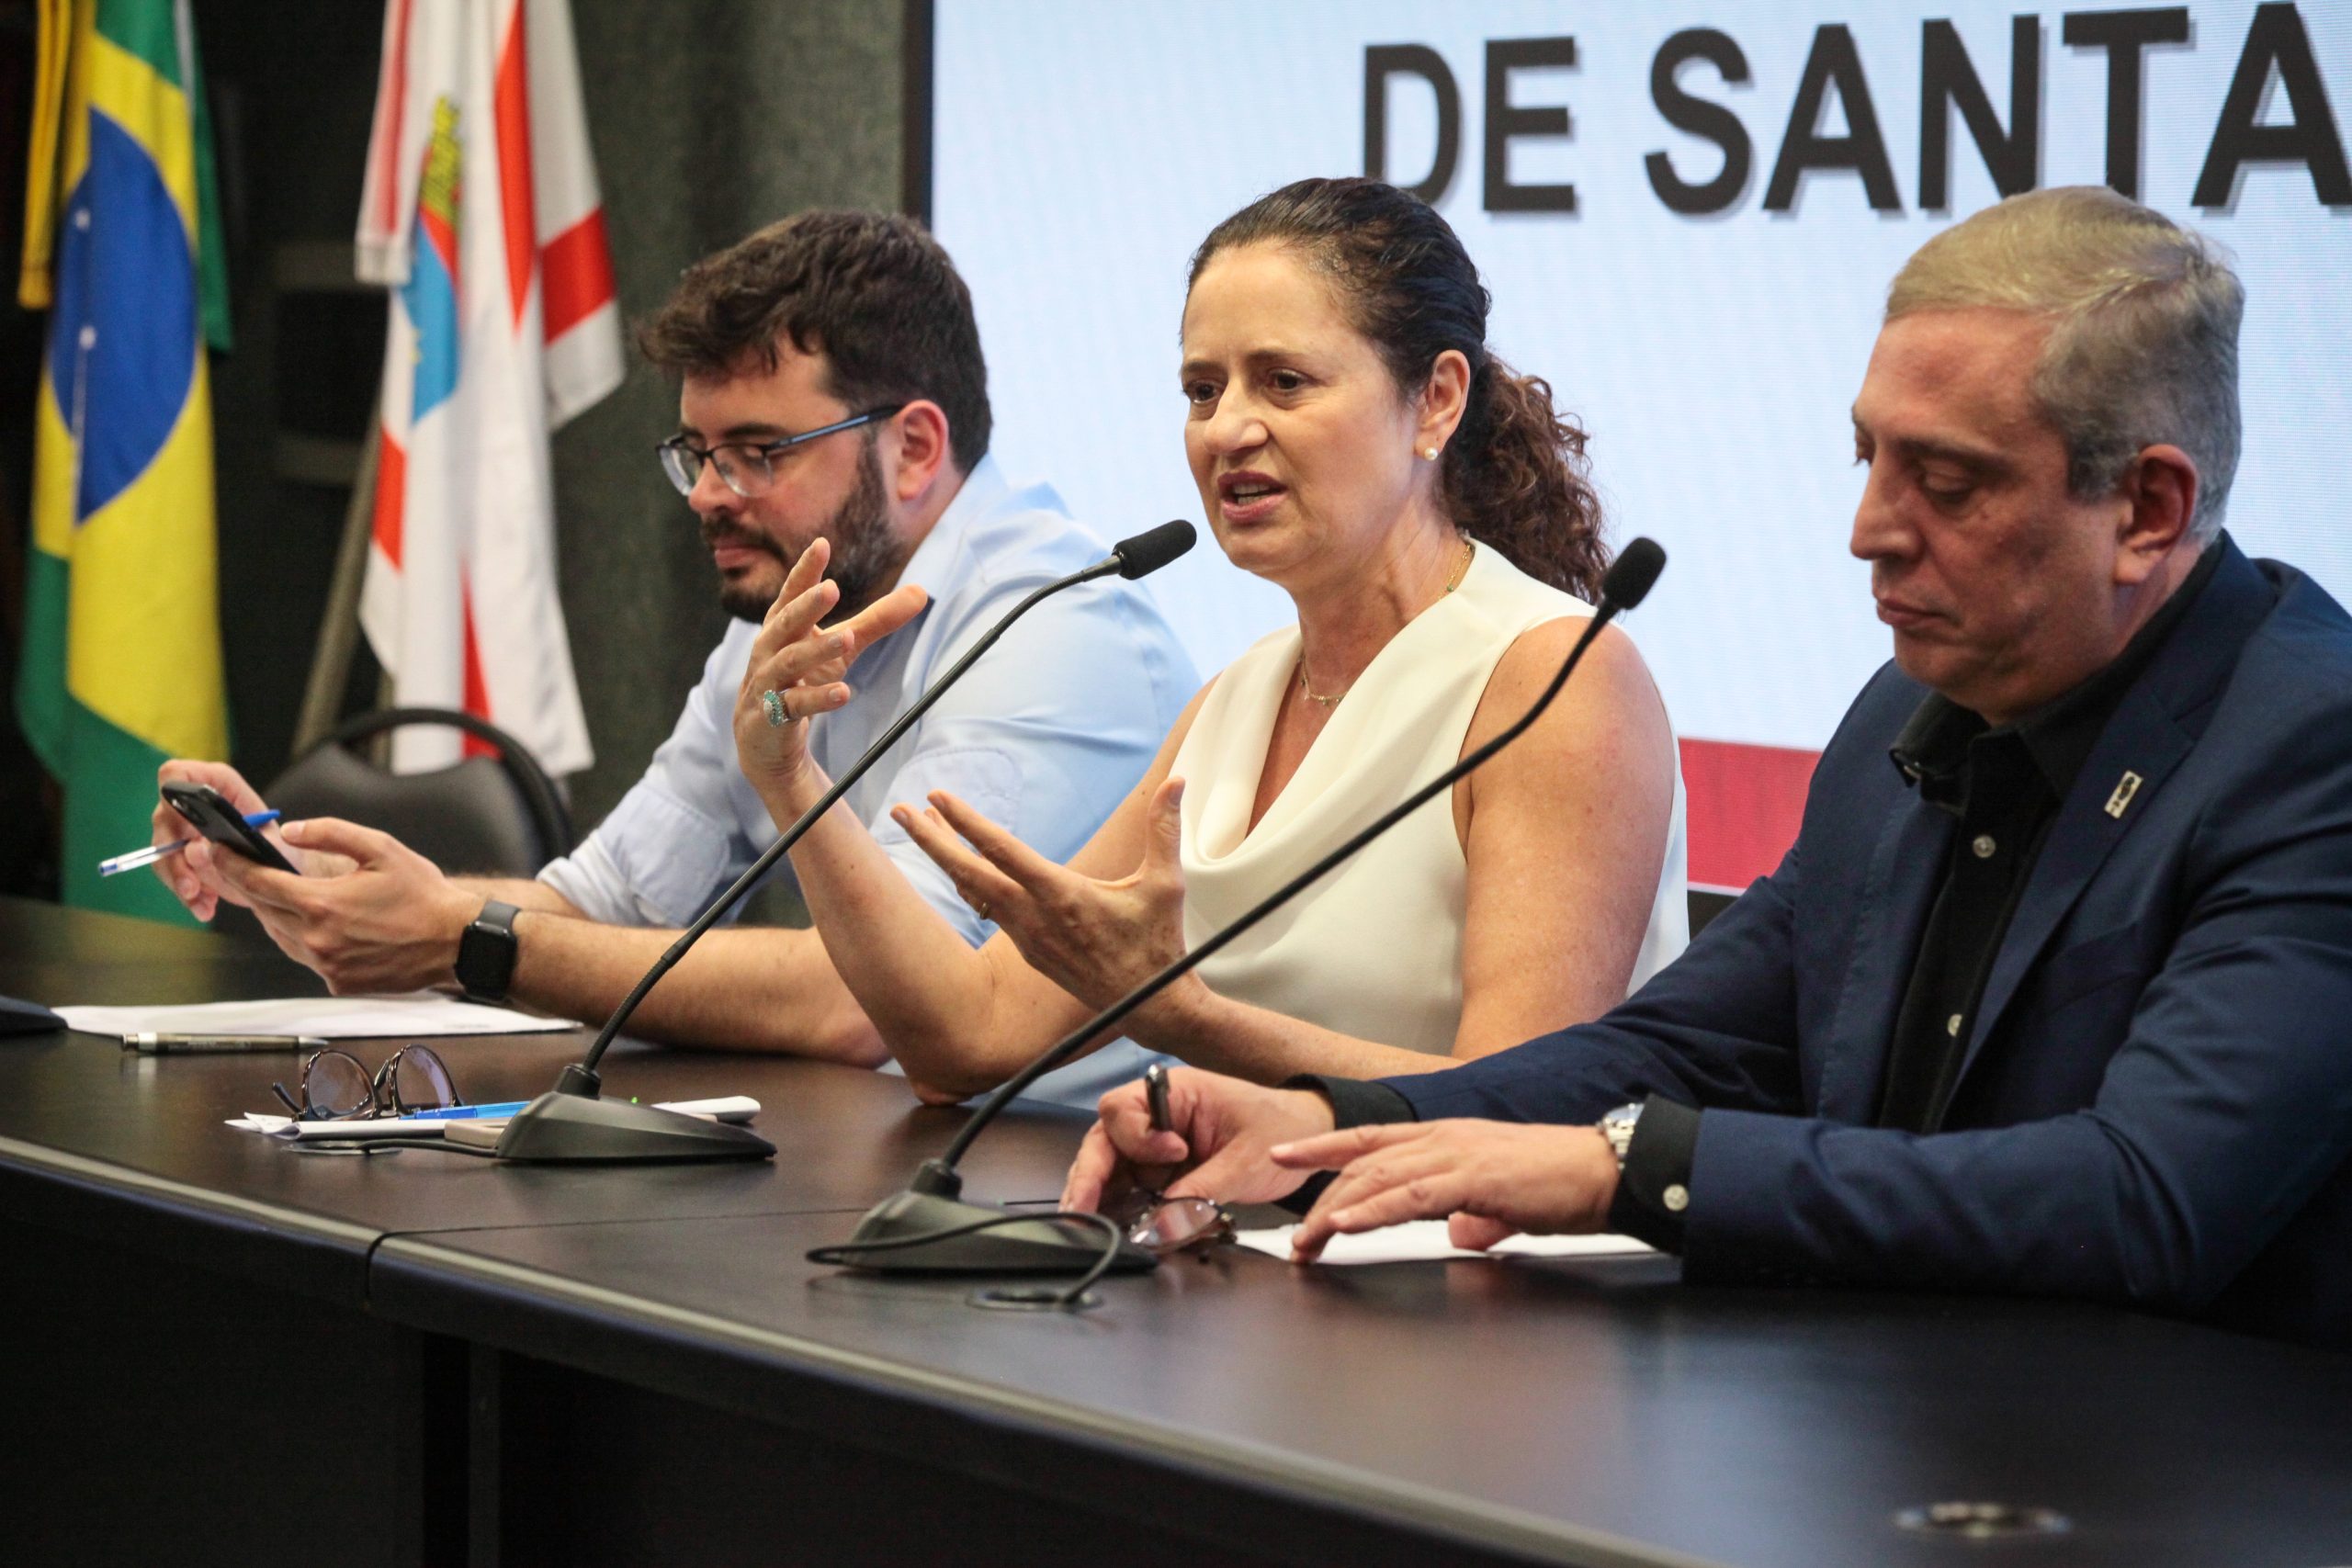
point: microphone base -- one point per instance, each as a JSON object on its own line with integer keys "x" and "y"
{"x": 578, "y": 1079}
{"x": 1041, "y": 1246}
{"x": 566, "y": 1129}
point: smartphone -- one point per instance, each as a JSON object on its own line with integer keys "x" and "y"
{"x": 213, "y": 816}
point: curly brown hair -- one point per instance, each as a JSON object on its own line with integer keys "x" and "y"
{"x": 1514, "y": 474}
{"x": 872, "y": 291}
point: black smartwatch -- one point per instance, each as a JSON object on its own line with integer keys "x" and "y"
{"x": 486, "y": 952}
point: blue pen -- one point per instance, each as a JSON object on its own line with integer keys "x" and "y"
{"x": 115, "y": 864}
{"x": 470, "y": 1112}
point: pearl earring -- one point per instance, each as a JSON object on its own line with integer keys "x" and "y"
{"x": 1430, "y": 453}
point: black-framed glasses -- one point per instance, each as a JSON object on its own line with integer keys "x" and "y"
{"x": 748, "y": 467}
{"x": 1164, "y": 1227}
{"x": 336, "y": 1087}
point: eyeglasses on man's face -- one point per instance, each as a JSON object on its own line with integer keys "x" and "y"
{"x": 748, "y": 467}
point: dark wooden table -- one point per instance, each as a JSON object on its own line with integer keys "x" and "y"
{"x": 241, "y": 1353}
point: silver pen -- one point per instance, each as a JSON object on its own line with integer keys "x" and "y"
{"x": 219, "y": 1044}
{"x": 131, "y": 860}
{"x": 1155, "y": 1088}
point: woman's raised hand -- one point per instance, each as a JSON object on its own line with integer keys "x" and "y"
{"x": 798, "y": 666}
{"x": 1097, "y": 940}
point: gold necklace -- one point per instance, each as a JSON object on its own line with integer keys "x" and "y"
{"x": 1461, "y": 570}
{"x": 1312, "y": 695}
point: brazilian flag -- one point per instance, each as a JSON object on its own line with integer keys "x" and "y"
{"x": 121, "y": 665}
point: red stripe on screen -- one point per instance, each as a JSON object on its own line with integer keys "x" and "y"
{"x": 1746, "y": 803}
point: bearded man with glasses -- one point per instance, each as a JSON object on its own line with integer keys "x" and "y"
{"x": 833, "y": 396}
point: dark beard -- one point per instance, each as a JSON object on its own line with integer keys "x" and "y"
{"x": 864, "y": 555}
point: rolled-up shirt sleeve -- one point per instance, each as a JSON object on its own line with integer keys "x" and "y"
{"x": 674, "y": 842}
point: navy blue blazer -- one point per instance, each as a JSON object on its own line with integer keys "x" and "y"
{"x": 2156, "y": 1101}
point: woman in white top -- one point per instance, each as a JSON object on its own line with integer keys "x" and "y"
{"x": 1425, "y": 508}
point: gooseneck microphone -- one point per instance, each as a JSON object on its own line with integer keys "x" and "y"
{"x": 928, "y": 1229}
{"x": 571, "y": 1125}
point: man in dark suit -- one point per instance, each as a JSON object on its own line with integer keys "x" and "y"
{"x": 2053, "y": 993}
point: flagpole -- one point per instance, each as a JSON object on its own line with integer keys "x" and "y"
{"x": 339, "y": 625}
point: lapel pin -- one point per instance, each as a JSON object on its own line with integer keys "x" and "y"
{"x": 2125, "y": 788}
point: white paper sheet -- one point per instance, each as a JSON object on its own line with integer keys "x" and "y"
{"x": 422, "y": 1015}
{"x": 377, "y": 1127}
{"x": 1421, "y": 1241}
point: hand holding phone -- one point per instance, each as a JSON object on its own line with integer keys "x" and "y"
{"x": 210, "y": 813}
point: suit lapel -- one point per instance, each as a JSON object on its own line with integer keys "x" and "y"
{"x": 2150, "y": 733}
{"x": 2138, "y": 750}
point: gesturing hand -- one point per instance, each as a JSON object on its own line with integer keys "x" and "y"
{"x": 800, "y": 666}
{"x": 1491, "y": 1178}
{"x": 385, "y": 919}
{"x": 1222, "y": 1129}
{"x": 1097, "y": 940}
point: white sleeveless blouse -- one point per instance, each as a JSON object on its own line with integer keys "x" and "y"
{"x": 1374, "y": 948}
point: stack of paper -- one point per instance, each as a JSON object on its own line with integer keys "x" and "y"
{"x": 418, "y": 1016}
{"x": 1421, "y": 1241}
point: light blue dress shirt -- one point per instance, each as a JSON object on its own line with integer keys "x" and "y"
{"x": 1045, "y": 734}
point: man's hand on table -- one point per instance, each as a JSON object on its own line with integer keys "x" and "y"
{"x": 1491, "y": 1179}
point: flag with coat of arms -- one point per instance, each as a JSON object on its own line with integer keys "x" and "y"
{"x": 481, "y": 215}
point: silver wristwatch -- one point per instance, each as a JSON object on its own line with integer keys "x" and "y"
{"x": 1618, "y": 1128}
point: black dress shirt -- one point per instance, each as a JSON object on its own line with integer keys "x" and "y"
{"x": 2004, "y": 787}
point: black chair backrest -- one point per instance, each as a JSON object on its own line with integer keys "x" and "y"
{"x": 1706, "y": 906}
{"x": 498, "y": 816}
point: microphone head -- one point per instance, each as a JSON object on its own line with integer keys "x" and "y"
{"x": 1153, "y": 548}
{"x": 1630, "y": 576}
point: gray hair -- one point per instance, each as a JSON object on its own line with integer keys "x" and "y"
{"x": 2143, "y": 345}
